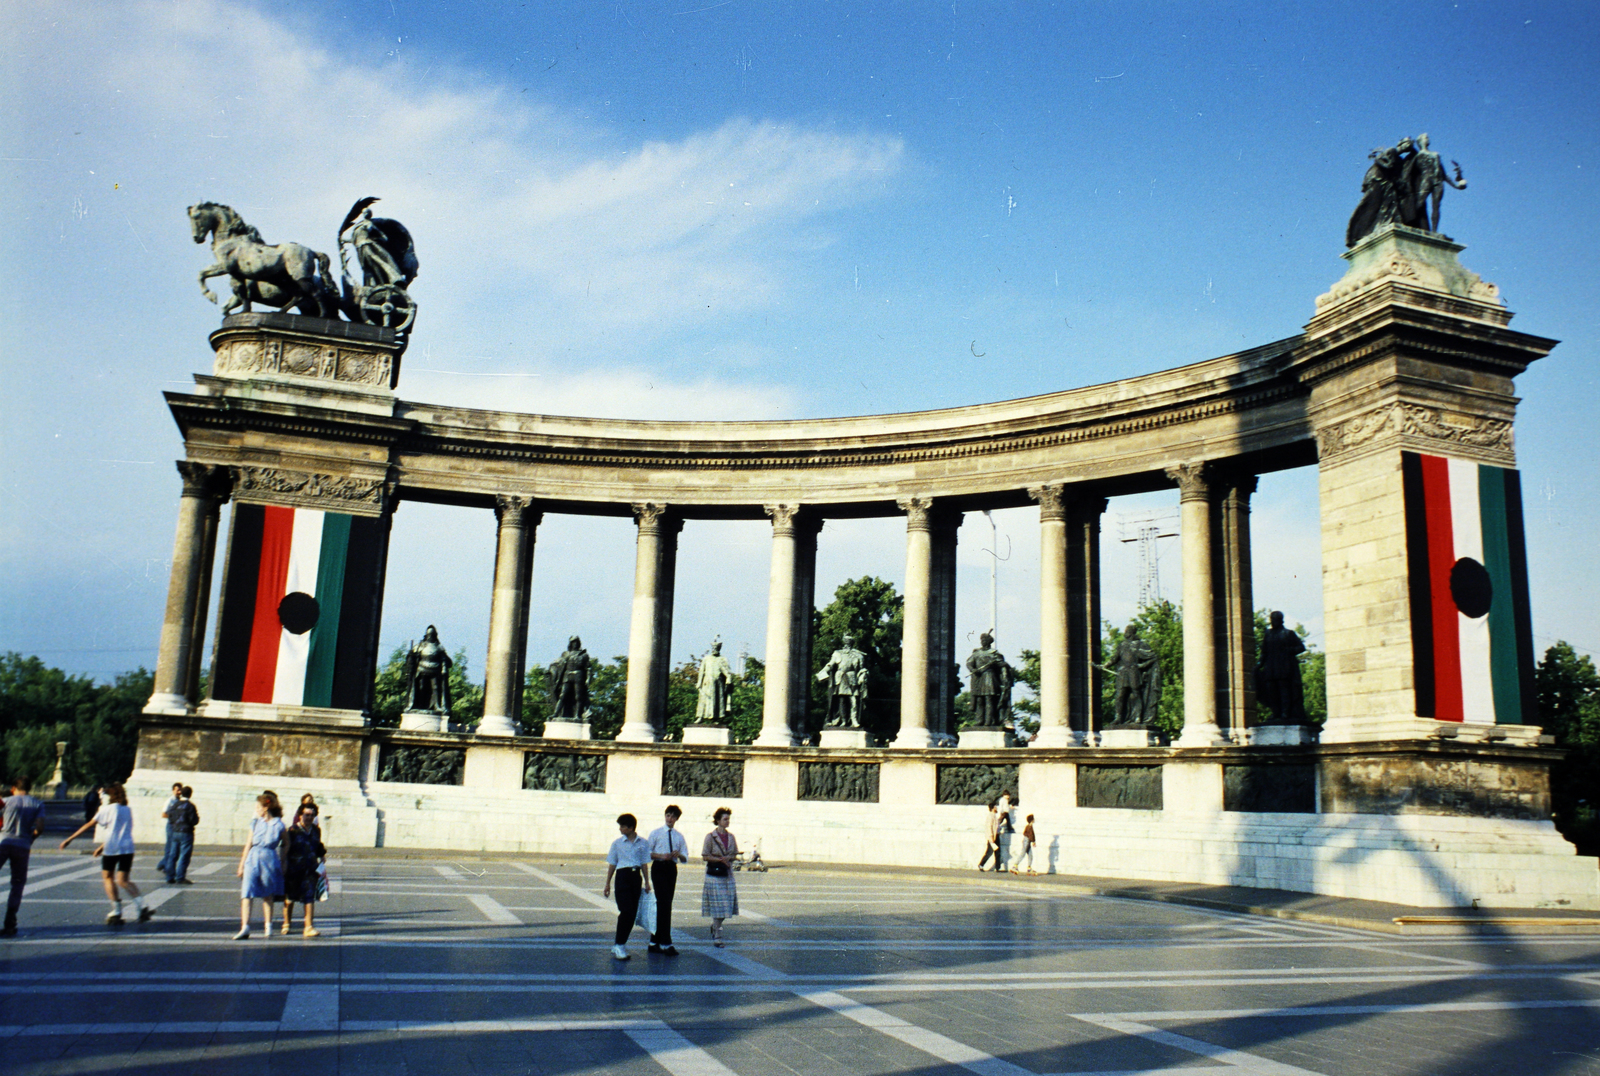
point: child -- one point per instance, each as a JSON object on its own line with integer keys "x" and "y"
{"x": 629, "y": 862}
{"x": 1028, "y": 840}
{"x": 114, "y": 834}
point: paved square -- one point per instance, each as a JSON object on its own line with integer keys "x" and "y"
{"x": 456, "y": 965}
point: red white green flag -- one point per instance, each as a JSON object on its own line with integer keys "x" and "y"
{"x": 1471, "y": 632}
{"x": 299, "y": 608}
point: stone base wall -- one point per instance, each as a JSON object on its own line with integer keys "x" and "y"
{"x": 1428, "y": 825}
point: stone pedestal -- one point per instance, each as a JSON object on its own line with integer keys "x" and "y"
{"x": 566, "y": 730}
{"x": 845, "y": 738}
{"x": 1280, "y": 735}
{"x": 707, "y": 734}
{"x": 497, "y": 725}
{"x": 986, "y": 739}
{"x": 1125, "y": 737}
{"x": 421, "y": 721}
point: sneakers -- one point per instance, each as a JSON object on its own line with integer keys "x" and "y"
{"x": 113, "y": 919}
{"x": 146, "y": 914}
{"x": 619, "y": 953}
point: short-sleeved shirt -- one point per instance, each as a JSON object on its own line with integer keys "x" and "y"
{"x": 21, "y": 818}
{"x": 625, "y": 853}
{"x": 167, "y": 810}
{"x": 666, "y": 841}
{"x": 113, "y": 829}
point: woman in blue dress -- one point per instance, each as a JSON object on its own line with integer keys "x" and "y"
{"x": 261, "y": 865}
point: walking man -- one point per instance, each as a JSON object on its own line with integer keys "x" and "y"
{"x": 167, "y": 851}
{"x": 21, "y": 821}
{"x": 626, "y": 862}
{"x": 991, "y": 845}
{"x": 668, "y": 848}
{"x": 182, "y": 817}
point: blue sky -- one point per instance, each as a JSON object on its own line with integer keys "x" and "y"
{"x": 738, "y": 210}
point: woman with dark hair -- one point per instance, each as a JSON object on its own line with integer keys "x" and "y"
{"x": 113, "y": 833}
{"x": 719, "y": 899}
{"x": 261, "y": 864}
{"x": 305, "y": 851}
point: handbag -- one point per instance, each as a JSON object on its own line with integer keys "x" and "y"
{"x": 716, "y": 870}
{"x": 322, "y": 881}
{"x": 646, "y": 915}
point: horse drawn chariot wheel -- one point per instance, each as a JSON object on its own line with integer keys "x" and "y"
{"x": 389, "y": 306}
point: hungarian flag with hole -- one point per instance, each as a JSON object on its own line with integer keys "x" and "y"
{"x": 1471, "y": 633}
{"x": 299, "y": 608}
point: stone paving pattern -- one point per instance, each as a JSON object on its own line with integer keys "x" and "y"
{"x": 454, "y": 965}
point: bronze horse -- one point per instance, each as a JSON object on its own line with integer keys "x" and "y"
{"x": 287, "y": 275}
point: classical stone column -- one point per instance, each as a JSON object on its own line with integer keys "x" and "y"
{"x": 508, "y": 627}
{"x": 191, "y": 553}
{"x": 1054, "y": 730}
{"x": 942, "y": 676}
{"x": 1199, "y": 632}
{"x": 778, "y": 699}
{"x": 914, "y": 647}
{"x": 650, "y": 632}
{"x": 1083, "y": 616}
{"x": 202, "y": 597}
{"x": 806, "y": 528}
{"x": 1235, "y": 618}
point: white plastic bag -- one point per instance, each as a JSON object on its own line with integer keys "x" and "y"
{"x": 646, "y": 915}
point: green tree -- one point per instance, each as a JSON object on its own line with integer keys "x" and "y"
{"x": 608, "y": 696}
{"x": 746, "y": 700}
{"x": 41, "y": 705}
{"x": 535, "y": 700}
{"x": 683, "y": 697}
{"x": 1569, "y": 709}
{"x": 1026, "y": 704}
{"x": 871, "y": 611}
{"x": 391, "y": 691}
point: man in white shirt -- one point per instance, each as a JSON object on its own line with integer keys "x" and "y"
{"x": 668, "y": 848}
{"x": 626, "y": 862}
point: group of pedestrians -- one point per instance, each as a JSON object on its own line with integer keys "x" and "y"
{"x": 1002, "y": 829}
{"x": 282, "y": 864}
{"x": 636, "y": 866}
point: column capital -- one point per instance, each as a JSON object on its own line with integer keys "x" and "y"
{"x": 1194, "y": 483}
{"x": 1052, "y": 501}
{"x": 656, "y": 519}
{"x": 791, "y": 520}
{"x": 516, "y": 510}
{"x": 205, "y": 480}
{"x": 919, "y": 512}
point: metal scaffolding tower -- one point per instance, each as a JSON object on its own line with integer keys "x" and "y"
{"x": 1147, "y": 528}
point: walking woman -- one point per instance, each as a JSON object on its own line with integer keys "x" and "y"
{"x": 261, "y": 864}
{"x": 113, "y": 833}
{"x": 719, "y": 899}
{"x": 305, "y": 852}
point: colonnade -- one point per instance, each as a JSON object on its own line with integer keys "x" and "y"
{"x": 1217, "y": 601}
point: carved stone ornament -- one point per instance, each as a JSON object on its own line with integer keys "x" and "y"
{"x": 550, "y": 772}
{"x": 272, "y": 485}
{"x": 516, "y": 510}
{"x": 255, "y": 356}
{"x": 783, "y": 517}
{"x": 1492, "y": 436}
{"x": 705, "y": 778}
{"x": 1052, "y": 501}
{"x": 1193, "y": 483}
{"x": 656, "y": 519}
{"x": 203, "y": 480}
{"x": 850, "y": 782}
{"x": 919, "y": 512}
{"x": 407, "y": 764}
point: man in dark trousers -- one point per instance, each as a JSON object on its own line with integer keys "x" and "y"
{"x": 668, "y": 848}
{"x": 21, "y": 820}
{"x": 182, "y": 817}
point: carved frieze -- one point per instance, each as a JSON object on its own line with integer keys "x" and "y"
{"x": 256, "y": 356}
{"x": 975, "y": 784}
{"x": 705, "y": 778}
{"x": 553, "y": 772}
{"x": 852, "y": 782}
{"x": 1486, "y": 436}
{"x": 421, "y": 765}
{"x": 335, "y": 493}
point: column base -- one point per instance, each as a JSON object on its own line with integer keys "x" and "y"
{"x": 1280, "y": 735}
{"x": 1136, "y": 737}
{"x": 771, "y": 738}
{"x": 566, "y": 730}
{"x": 167, "y": 704}
{"x": 986, "y": 739}
{"x": 845, "y": 738}
{"x": 913, "y": 739}
{"x": 1051, "y": 736}
{"x": 497, "y": 725}
{"x": 422, "y": 721}
{"x": 717, "y": 735}
{"x": 1204, "y": 736}
{"x": 636, "y": 732}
